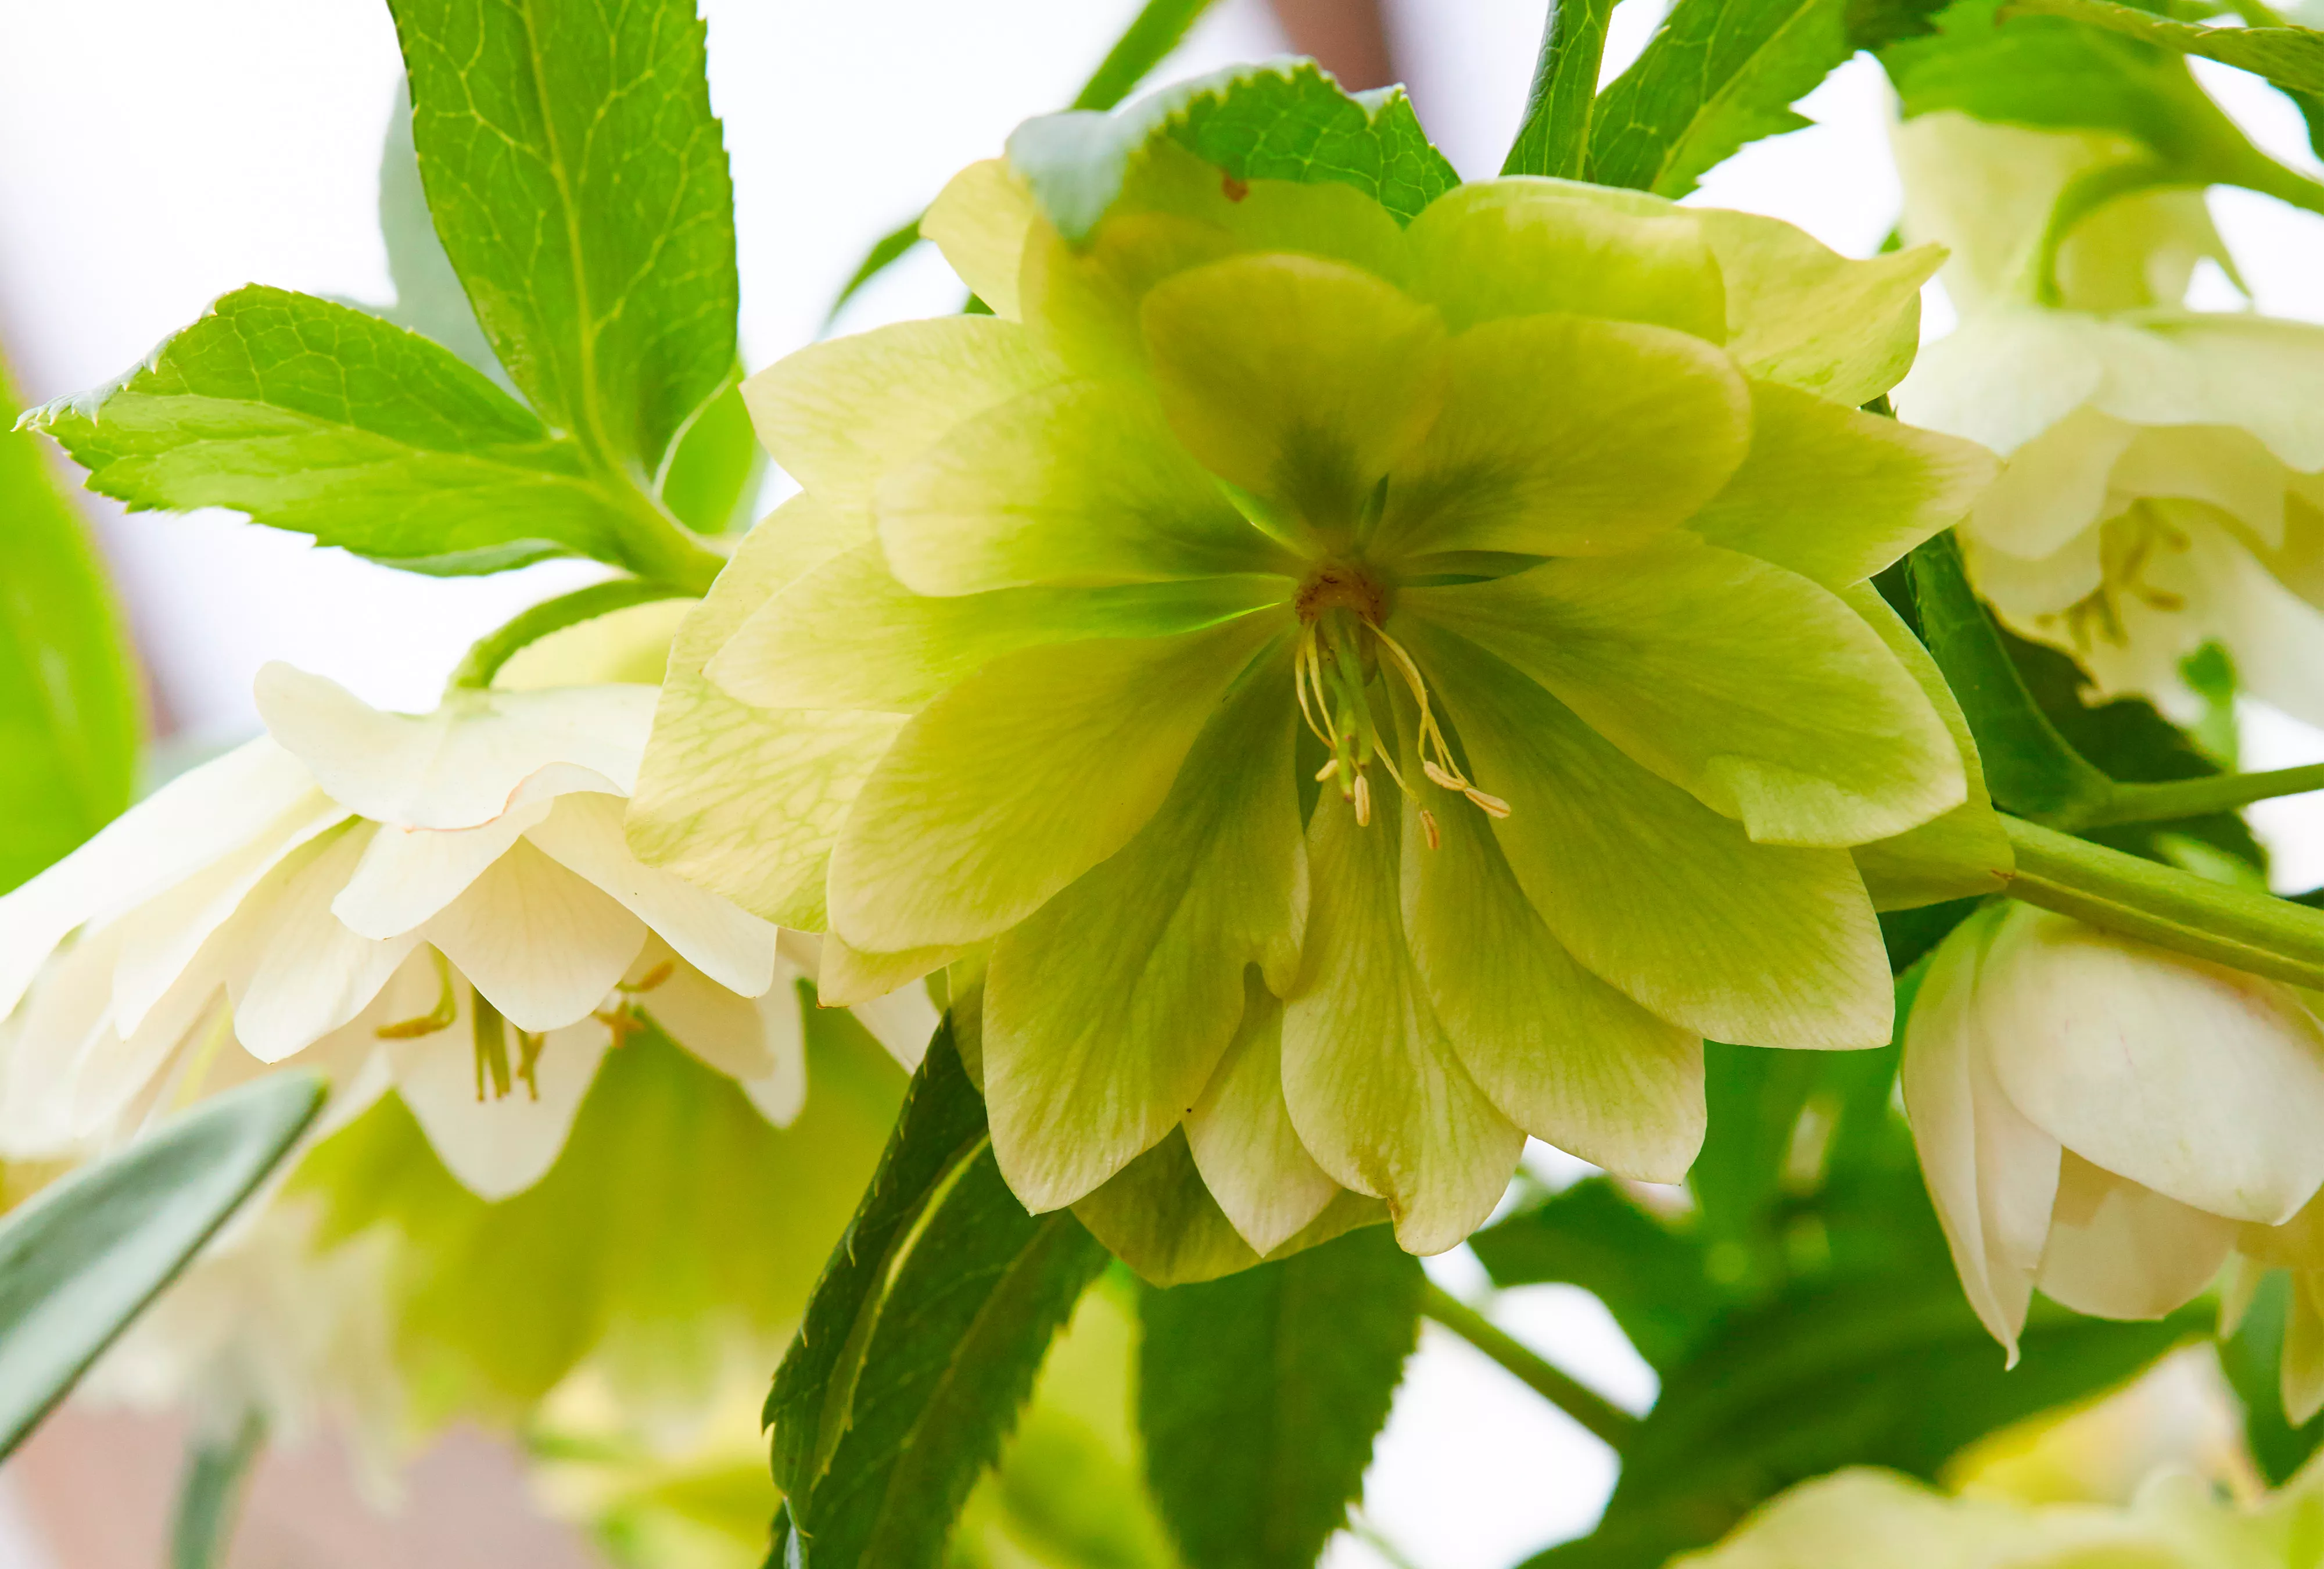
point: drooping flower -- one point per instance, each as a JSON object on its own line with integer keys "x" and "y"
{"x": 2161, "y": 490}
{"x": 2097, "y": 1116}
{"x": 441, "y": 901}
{"x": 1377, "y": 691}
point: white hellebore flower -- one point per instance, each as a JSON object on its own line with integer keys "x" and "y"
{"x": 2162, "y": 489}
{"x": 443, "y": 901}
{"x": 2095, "y": 1116}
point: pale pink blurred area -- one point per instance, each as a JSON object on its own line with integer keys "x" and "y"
{"x": 94, "y": 1490}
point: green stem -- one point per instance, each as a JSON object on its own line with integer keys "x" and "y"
{"x": 490, "y": 652}
{"x": 1601, "y": 1416}
{"x": 217, "y": 1472}
{"x": 659, "y": 549}
{"x": 2192, "y": 797}
{"x": 2166, "y": 907}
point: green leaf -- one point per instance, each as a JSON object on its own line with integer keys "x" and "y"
{"x": 1717, "y": 75}
{"x": 713, "y": 482}
{"x": 923, "y": 1338}
{"x": 209, "y": 1496}
{"x": 68, "y": 709}
{"x": 324, "y": 419}
{"x": 82, "y": 1258}
{"x": 2292, "y": 57}
{"x": 1554, "y": 139}
{"x": 1263, "y": 1393}
{"x": 885, "y": 253}
{"x": 1273, "y": 122}
{"x": 1654, "y": 1279}
{"x": 579, "y": 184}
{"x": 2251, "y": 1358}
{"x": 429, "y": 296}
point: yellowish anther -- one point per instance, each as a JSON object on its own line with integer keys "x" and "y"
{"x": 1327, "y": 770}
{"x": 1363, "y": 802}
{"x": 447, "y": 1008}
{"x": 650, "y": 979}
{"x": 1428, "y": 827}
{"x": 1491, "y": 805}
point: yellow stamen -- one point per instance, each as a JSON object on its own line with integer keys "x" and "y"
{"x": 446, "y": 1010}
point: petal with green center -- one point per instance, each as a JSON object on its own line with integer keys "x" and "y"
{"x": 1240, "y": 1134}
{"x": 1108, "y": 1009}
{"x": 1564, "y": 1056}
{"x": 1374, "y": 1089}
{"x": 1022, "y": 778}
{"x": 1836, "y": 494}
{"x": 841, "y": 415}
{"x": 1761, "y": 944}
{"x": 1524, "y": 247}
{"x": 1962, "y": 854}
{"x": 1759, "y": 693}
{"x": 1080, "y": 484}
{"x": 1298, "y": 379}
{"x": 1800, "y": 313}
{"x": 850, "y": 636}
{"x": 1565, "y": 436}
{"x": 980, "y": 221}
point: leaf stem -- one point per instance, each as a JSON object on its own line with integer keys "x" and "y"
{"x": 1609, "y": 1422}
{"x": 490, "y": 651}
{"x": 2193, "y": 798}
{"x": 2162, "y": 905}
{"x": 217, "y": 1468}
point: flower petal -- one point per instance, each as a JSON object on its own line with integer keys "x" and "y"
{"x": 850, "y": 636}
{"x": 1241, "y": 1136}
{"x": 1021, "y": 779}
{"x": 841, "y": 415}
{"x": 497, "y": 1148}
{"x": 1760, "y": 694}
{"x": 1298, "y": 379}
{"x": 1527, "y": 247}
{"x": 465, "y": 763}
{"x": 901, "y": 1021}
{"x": 2300, "y": 1382}
{"x": 980, "y": 221}
{"x": 720, "y": 1026}
{"x": 1565, "y": 436}
{"x": 1077, "y": 483}
{"x": 299, "y": 974}
{"x": 2051, "y": 489}
{"x": 408, "y": 875}
{"x": 1562, "y": 1054}
{"x": 845, "y": 977}
{"x": 2002, "y": 378}
{"x": 1376, "y": 1090}
{"x": 1107, "y": 1010}
{"x": 1836, "y": 494}
{"x": 2202, "y": 1083}
{"x": 544, "y": 945}
{"x": 1758, "y": 944}
{"x": 1802, "y": 314}
{"x": 726, "y": 943}
{"x": 2120, "y": 1250}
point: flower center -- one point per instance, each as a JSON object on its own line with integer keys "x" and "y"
{"x": 1342, "y": 645}
{"x": 2128, "y": 545}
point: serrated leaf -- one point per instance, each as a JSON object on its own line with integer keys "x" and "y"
{"x": 1717, "y": 75}
{"x": 923, "y": 1338}
{"x": 68, "y": 709}
{"x": 579, "y": 184}
{"x": 1261, "y": 1394}
{"x": 327, "y": 420}
{"x": 1289, "y": 122}
{"x": 81, "y": 1260}
{"x": 2290, "y": 57}
{"x": 1654, "y": 1279}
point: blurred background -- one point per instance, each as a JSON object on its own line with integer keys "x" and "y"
{"x": 154, "y": 155}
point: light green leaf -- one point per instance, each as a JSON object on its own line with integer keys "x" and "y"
{"x": 83, "y": 1258}
{"x": 1274, "y": 122}
{"x": 428, "y": 298}
{"x": 1261, "y": 1394}
{"x": 1718, "y": 74}
{"x": 68, "y": 709}
{"x": 325, "y": 420}
{"x": 579, "y": 185}
{"x": 1554, "y": 138}
{"x": 2290, "y": 57}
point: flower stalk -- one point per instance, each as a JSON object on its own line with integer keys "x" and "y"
{"x": 485, "y": 657}
{"x": 1606, "y": 1421}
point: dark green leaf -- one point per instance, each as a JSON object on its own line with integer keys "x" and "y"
{"x": 1875, "y": 24}
{"x": 579, "y": 184}
{"x": 81, "y": 1259}
{"x": 1718, "y": 74}
{"x": 2251, "y": 1357}
{"x": 1274, "y": 122}
{"x": 1262, "y": 1394}
{"x": 1654, "y": 1279}
{"x": 1911, "y": 933}
{"x": 1554, "y": 138}
{"x": 2290, "y": 57}
{"x": 923, "y": 1338}
{"x": 68, "y": 710}
{"x": 327, "y": 420}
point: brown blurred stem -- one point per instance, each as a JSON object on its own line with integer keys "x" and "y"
{"x": 1348, "y": 38}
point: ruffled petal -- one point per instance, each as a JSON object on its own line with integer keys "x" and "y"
{"x": 408, "y": 875}
{"x": 1240, "y": 1135}
{"x": 544, "y": 945}
{"x": 2120, "y": 1250}
{"x": 722, "y": 1028}
{"x": 2053, "y": 490}
{"x": 980, "y": 221}
{"x": 299, "y": 972}
{"x": 1800, "y": 313}
{"x": 497, "y": 1147}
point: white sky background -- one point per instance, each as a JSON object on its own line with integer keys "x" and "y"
{"x": 154, "y": 155}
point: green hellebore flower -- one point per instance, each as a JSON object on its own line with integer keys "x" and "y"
{"x": 1379, "y": 691}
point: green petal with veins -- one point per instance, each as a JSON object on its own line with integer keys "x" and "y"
{"x": 1107, "y": 1009}
{"x": 1022, "y": 778}
{"x": 1800, "y": 313}
{"x": 1241, "y": 1138}
{"x": 1760, "y": 694}
{"x": 1760, "y": 945}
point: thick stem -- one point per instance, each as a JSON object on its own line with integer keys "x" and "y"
{"x": 1603, "y": 1418}
{"x": 490, "y": 652}
{"x": 210, "y": 1496}
{"x": 2194, "y": 798}
{"x": 2166, "y": 907}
